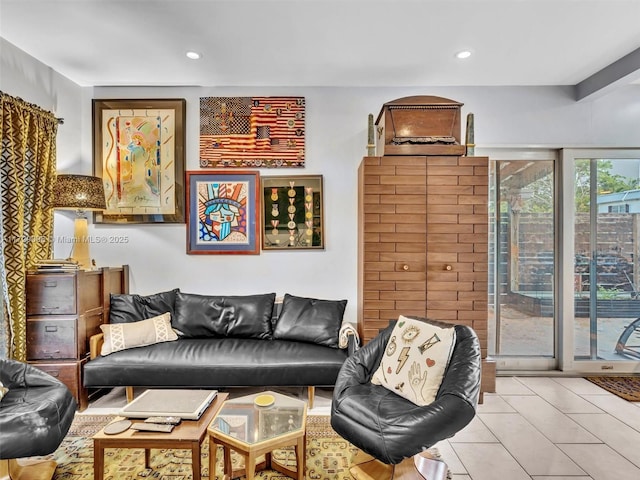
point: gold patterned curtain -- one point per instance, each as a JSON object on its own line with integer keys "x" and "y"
{"x": 27, "y": 173}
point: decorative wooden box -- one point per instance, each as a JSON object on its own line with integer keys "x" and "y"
{"x": 419, "y": 125}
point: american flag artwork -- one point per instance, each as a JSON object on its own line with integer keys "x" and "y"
{"x": 260, "y": 132}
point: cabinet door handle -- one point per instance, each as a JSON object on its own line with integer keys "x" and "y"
{"x": 54, "y": 373}
{"x": 405, "y": 267}
{"x": 50, "y": 328}
{"x": 44, "y": 307}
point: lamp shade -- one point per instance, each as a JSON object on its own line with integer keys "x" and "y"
{"x": 79, "y": 192}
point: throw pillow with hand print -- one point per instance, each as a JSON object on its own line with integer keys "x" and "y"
{"x": 415, "y": 359}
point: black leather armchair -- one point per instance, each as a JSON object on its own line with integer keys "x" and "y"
{"x": 391, "y": 428}
{"x": 35, "y": 415}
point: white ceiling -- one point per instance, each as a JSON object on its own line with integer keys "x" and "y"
{"x": 329, "y": 42}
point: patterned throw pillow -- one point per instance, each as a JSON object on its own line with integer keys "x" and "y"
{"x": 3, "y": 390}
{"x": 120, "y": 336}
{"x": 415, "y": 360}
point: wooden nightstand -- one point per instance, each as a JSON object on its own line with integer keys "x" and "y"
{"x": 63, "y": 311}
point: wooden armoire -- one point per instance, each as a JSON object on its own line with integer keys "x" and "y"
{"x": 423, "y": 223}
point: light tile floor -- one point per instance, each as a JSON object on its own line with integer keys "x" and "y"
{"x": 532, "y": 428}
{"x": 543, "y": 428}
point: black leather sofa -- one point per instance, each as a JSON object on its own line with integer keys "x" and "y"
{"x": 232, "y": 341}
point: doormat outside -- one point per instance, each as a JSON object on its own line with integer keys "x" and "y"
{"x": 329, "y": 456}
{"x": 624, "y": 387}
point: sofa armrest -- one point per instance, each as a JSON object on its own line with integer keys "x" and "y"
{"x": 95, "y": 345}
{"x": 348, "y": 338}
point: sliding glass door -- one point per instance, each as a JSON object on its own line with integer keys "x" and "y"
{"x": 564, "y": 272}
{"x": 602, "y": 235}
{"x": 522, "y": 303}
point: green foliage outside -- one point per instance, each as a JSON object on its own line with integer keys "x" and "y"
{"x": 541, "y": 190}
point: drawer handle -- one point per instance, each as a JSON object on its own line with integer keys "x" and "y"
{"x": 44, "y": 307}
{"x": 54, "y": 373}
{"x": 448, "y": 268}
{"x": 405, "y": 267}
{"x": 50, "y": 283}
{"x": 50, "y": 354}
{"x": 50, "y": 328}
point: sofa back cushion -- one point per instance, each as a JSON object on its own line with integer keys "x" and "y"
{"x": 310, "y": 320}
{"x": 127, "y": 308}
{"x": 247, "y": 316}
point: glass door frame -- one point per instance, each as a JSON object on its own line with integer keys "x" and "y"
{"x": 566, "y": 260}
{"x": 506, "y": 364}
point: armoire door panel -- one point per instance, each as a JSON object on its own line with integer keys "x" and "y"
{"x": 404, "y": 238}
{"x": 411, "y": 208}
{"x": 379, "y": 266}
{"x": 411, "y": 228}
{"x": 396, "y": 218}
{"x": 414, "y": 189}
{"x": 404, "y": 276}
{"x": 433, "y": 208}
{"x": 450, "y": 238}
{"x": 442, "y": 259}
{"x": 439, "y": 295}
{"x": 398, "y": 198}
{"x": 410, "y": 286}
{"x": 401, "y": 180}
{"x": 377, "y": 227}
{"x": 380, "y": 286}
{"x": 382, "y": 190}
{"x": 382, "y": 247}
{"x": 411, "y": 247}
{"x": 404, "y": 296}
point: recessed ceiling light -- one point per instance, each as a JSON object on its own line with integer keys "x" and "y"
{"x": 463, "y": 54}
{"x": 193, "y": 55}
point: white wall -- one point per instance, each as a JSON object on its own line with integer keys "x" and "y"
{"x": 336, "y": 138}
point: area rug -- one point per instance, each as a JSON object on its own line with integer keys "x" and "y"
{"x": 329, "y": 456}
{"x": 624, "y": 387}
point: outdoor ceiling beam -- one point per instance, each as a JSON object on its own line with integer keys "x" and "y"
{"x": 621, "y": 72}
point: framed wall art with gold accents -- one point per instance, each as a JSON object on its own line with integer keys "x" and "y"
{"x": 252, "y": 132}
{"x": 292, "y": 212}
{"x": 138, "y": 151}
{"x": 223, "y": 212}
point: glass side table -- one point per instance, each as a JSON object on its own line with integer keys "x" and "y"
{"x": 252, "y": 430}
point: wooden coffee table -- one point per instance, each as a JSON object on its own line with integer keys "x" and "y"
{"x": 188, "y": 435}
{"x": 252, "y": 431}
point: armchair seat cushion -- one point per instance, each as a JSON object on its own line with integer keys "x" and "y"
{"x": 36, "y": 412}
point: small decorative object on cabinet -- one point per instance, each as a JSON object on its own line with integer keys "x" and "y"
{"x": 423, "y": 223}
{"x": 63, "y": 311}
{"x": 292, "y": 212}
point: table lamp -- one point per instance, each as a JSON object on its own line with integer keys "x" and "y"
{"x": 80, "y": 193}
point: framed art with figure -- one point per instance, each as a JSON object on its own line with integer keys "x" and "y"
{"x": 292, "y": 212}
{"x": 222, "y": 212}
{"x": 138, "y": 151}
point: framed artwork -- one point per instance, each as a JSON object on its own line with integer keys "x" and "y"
{"x": 252, "y": 132}
{"x": 138, "y": 151}
{"x": 292, "y": 212}
{"x": 222, "y": 212}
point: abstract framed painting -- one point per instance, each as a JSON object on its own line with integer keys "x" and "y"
{"x": 138, "y": 151}
{"x": 252, "y": 132}
{"x": 223, "y": 212}
{"x": 292, "y": 212}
